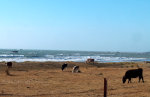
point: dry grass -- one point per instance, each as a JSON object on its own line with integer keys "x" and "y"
{"x": 35, "y": 79}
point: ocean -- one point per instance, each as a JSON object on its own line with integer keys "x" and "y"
{"x": 75, "y": 56}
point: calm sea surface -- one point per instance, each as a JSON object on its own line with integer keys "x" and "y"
{"x": 76, "y": 56}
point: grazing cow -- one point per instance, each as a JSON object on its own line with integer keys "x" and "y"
{"x": 64, "y": 66}
{"x": 75, "y": 69}
{"x": 9, "y": 64}
{"x": 133, "y": 74}
{"x": 147, "y": 62}
{"x": 90, "y": 61}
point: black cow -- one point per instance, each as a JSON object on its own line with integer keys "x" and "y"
{"x": 64, "y": 66}
{"x": 133, "y": 74}
{"x": 147, "y": 62}
{"x": 9, "y": 64}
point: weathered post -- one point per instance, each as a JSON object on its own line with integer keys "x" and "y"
{"x": 7, "y": 71}
{"x": 9, "y": 65}
{"x": 105, "y": 87}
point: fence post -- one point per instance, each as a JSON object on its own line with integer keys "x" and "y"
{"x": 105, "y": 87}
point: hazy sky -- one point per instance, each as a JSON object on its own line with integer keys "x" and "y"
{"x": 95, "y": 25}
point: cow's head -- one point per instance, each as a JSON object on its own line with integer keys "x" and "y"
{"x": 124, "y": 79}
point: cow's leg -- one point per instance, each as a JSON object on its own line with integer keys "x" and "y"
{"x": 142, "y": 79}
{"x": 73, "y": 71}
{"x": 129, "y": 80}
{"x": 77, "y": 70}
{"x": 139, "y": 78}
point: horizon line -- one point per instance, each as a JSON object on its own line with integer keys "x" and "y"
{"x": 77, "y": 50}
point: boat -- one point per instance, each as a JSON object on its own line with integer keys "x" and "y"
{"x": 15, "y": 51}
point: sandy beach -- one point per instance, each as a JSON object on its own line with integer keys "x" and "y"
{"x": 46, "y": 79}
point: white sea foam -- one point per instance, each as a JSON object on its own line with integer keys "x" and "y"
{"x": 11, "y": 55}
{"x": 74, "y": 58}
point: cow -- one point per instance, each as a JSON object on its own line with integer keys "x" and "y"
{"x": 64, "y": 66}
{"x": 147, "y": 62}
{"x": 90, "y": 60}
{"x": 133, "y": 73}
{"x": 75, "y": 69}
{"x": 9, "y": 64}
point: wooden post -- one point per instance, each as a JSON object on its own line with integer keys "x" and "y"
{"x": 105, "y": 87}
{"x": 7, "y": 71}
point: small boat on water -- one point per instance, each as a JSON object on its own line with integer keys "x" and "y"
{"x": 15, "y": 51}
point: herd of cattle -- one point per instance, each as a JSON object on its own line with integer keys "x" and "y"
{"x": 74, "y": 70}
{"x": 133, "y": 73}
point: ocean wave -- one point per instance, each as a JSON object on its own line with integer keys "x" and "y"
{"x": 76, "y": 56}
{"x": 75, "y": 59}
{"x": 11, "y": 55}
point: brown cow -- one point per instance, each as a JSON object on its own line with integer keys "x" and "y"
{"x": 90, "y": 60}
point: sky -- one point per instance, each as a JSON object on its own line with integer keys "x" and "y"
{"x": 90, "y": 25}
